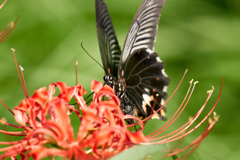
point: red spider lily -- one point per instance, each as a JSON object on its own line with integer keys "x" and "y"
{"x": 102, "y": 133}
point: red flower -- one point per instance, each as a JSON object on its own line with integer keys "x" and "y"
{"x": 102, "y": 133}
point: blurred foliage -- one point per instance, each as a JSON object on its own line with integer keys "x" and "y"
{"x": 201, "y": 35}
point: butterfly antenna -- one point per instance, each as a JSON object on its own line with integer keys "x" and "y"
{"x": 84, "y": 99}
{"x": 89, "y": 101}
{"x": 88, "y": 96}
{"x": 91, "y": 56}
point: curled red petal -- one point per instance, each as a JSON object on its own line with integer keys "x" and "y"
{"x": 40, "y": 96}
{"x": 108, "y": 92}
{"x": 62, "y": 118}
{"x": 51, "y": 90}
{"x": 20, "y": 117}
{"x": 96, "y": 86}
{"x": 66, "y": 92}
{"x": 23, "y": 106}
{"x": 62, "y": 87}
{"x": 104, "y": 137}
{"x": 137, "y": 137}
{"x": 82, "y": 90}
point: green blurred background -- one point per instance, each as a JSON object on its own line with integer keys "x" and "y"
{"x": 201, "y": 35}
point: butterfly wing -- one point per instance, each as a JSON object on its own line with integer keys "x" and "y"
{"x": 108, "y": 44}
{"x": 143, "y": 29}
{"x": 140, "y": 68}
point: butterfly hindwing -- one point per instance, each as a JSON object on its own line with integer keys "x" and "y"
{"x": 146, "y": 82}
{"x": 108, "y": 44}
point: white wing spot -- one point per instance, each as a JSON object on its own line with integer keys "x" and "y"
{"x": 163, "y": 72}
{"x": 162, "y": 101}
{"x": 155, "y": 115}
{"x": 165, "y": 89}
{"x": 149, "y": 51}
{"x": 146, "y": 89}
{"x": 158, "y": 59}
{"x": 146, "y": 99}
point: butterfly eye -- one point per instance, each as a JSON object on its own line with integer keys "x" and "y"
{"x": 110, "y": 78}
{"x": 105, "y": 78}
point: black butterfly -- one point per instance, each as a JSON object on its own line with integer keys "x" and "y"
{"x": 137, "y": 73}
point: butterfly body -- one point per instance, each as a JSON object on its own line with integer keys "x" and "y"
{"x": 127, "y": 106}
{"x": 136, "y": 73}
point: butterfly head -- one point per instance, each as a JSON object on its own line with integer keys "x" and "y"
{"x": 108, "y": 79}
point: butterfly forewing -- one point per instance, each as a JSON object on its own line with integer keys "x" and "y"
{"x": 143, "y": 29}
{"x": 108, "y": 44}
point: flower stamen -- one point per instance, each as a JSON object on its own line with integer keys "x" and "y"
{"x": 3, "y": 4}
{"x": 21, "y": 81}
